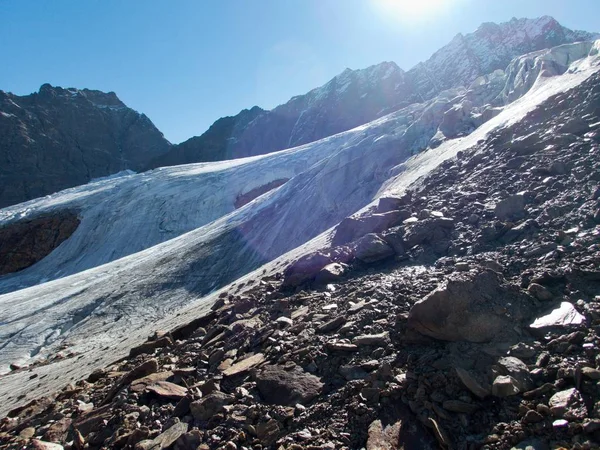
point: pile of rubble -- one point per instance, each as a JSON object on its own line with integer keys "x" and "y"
{"x": 461, "y": 315}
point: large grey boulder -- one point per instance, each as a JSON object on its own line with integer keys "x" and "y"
{"x": 287, "y": 387}
{"x": 512, "y": 207}
{"x": 474, "y": 308}
{"x": 371, "y": 248}
{"x": 352, "y": 228}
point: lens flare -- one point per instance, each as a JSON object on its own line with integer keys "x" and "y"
{"x": 412, "y": 10}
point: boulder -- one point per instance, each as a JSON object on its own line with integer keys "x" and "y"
{"x": 511, "y": 207}
{"x": 392, "y": 203}
{"x": 540, "y": 292}
{"x": 517, "y": 369}
{"x": 287, "y": 387}
{"x": 305, "y": 269}
{"x": 471, "y": 307}
{"x": 505, "y": 386}
{"x": 371, "y": 248}
{"x": 25, "y": 242}
{"x": 394, "y": 237}
{"x": 330, "y": 273}
{"x": 381, "y": 438}
{"x": 568, "y": 404}
{"x": 352, "y": 228}
{"x": 213, "y": 403}
{"x": 428, "y": 231}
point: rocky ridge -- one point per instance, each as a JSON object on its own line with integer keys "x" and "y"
{"x": 356, "y": 97}
{"x": 59, "y": 138}
{"x": 462, "y": 313}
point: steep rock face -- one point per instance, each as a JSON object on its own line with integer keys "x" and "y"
{"x": 356, "y": 97}
{"x": 59, "y": 138}
{"x": 491, "y": 47}
{"x": 24, "y": 243}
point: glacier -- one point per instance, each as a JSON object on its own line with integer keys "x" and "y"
{"x": 155, "y": 249}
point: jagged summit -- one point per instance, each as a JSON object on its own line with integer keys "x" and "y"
{"x": 355, "y": 97}
{"x": 58, "y": 138}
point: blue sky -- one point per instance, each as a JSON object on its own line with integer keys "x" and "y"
{"x": 187, "y": 63}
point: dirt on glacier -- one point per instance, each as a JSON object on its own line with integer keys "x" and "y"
{"x": 470, "y": 321}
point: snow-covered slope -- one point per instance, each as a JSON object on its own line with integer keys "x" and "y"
{"x": 194, "y": 240}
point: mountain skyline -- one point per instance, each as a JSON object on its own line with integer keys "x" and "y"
{"x": 59, "y": 138}
{"x": 161, "y": 63}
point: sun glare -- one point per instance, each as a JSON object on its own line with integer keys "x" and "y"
{"x": 412, "y": 10}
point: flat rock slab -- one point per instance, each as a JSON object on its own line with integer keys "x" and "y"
{"x": 167, "y": 390}
{"x": 287, "y": 387}
{"x": 564, "y": 316}
{"x": 472, "y": 384}
{"x": 244, "y": 365}
{"x": 168, "y": 437}
{"x": 371, "y": 339}
{"x": 140, "y": 384}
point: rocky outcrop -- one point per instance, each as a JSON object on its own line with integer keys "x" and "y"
{"x": 59, "y": 138}
{"x": 26, "y": 242}
{"x": 247, "y": 197}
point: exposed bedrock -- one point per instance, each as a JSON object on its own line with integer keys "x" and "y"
{"x": 24, "y": 243}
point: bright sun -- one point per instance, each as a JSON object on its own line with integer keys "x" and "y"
{"x": 412, "y": 10}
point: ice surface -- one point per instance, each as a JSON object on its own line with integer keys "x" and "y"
{"x": 153, "y": 249}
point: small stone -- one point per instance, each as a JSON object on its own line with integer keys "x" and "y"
{"x": 531, "y": 444}
{"x": 341, "y": 346}
{"x": 330, "y": 273}
{"x": 462, "y": 267}
{"x": 27, "y": 433}
{"x": 381, "y": 438}
{"x": 332, "y": 325}
{"x": 36, "y": 444}
{"x": 505, "y": 386}
{"x": 560, "y": 423}
{"x": 371, "y": 339}
{"x": 532, "y": 417}
{"x": 284, "y": 322}
{"x": 268, "y": 432}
